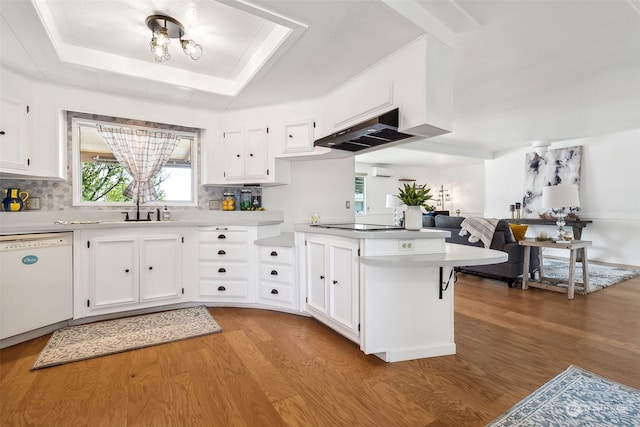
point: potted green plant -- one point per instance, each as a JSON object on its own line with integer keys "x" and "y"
{"x": 415, "y": 197}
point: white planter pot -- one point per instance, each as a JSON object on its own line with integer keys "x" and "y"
{"x": 413, "y": 218}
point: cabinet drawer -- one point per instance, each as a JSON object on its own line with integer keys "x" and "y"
{"x": 279, "y": 255}
{"x": 276, "y": 292}
{"x": 223, "y": 236}
{"x": 218, "y": 252}
{"x": 224, "y": 288}
{"x": 278, "y": 273}
{"x": 223, "y": 270}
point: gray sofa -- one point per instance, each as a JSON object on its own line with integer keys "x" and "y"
{"x": 503, "y": 240}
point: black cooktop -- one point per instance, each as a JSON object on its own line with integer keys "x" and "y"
{"x": 359, "y": 227}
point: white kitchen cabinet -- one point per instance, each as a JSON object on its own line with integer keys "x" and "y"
{"x": 276, "y": 277}
{"x": 15, "y": 140}
{"x": 128, "y": 270}
{"x": 299, "y": 137}
{"x": 333, "y": 283}
{"x": 246, "y": 155}
{"x": 224, "y": 267}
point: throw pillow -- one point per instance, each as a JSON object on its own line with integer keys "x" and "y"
{"x": 518, "y": 230}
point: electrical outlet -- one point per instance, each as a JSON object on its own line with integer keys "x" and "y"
{"x": 33, "y": 203}
{"x": 405, "y": 245}
{"x": 348, "y": 204}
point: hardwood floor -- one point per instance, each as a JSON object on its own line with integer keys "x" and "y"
{"x": 272, "y": 369}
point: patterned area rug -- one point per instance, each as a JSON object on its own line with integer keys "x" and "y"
{"x": 600, "y": 276}
{"x": 576, "y": 398}
{"x": 114, "y": 336}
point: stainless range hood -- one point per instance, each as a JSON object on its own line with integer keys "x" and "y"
{"x": 375, "y": 132}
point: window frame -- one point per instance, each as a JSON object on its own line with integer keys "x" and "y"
{"x": 77, "y": 164}
{"x": 364, "y": 196}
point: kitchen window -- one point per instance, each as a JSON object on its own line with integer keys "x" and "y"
{"x": 359, "y": 196}
{"x": 101, "y": 180}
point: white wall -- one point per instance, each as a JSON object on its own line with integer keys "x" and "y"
{"x": 465, "y": 185}
{"x": 609, "y": 193}
{"x": 317, "y": 186}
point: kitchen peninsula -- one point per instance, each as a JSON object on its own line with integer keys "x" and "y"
{"x": 389, "y": 290}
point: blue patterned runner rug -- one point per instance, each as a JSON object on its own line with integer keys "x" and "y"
{"x": 114, "y": 336}
{"x": 576, "y": 397}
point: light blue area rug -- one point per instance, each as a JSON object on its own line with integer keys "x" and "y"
{"x": 576, "y": 398}
{"x": 600, "y": 276}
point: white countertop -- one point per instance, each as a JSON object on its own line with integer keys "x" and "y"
{"x": 284, "y": 240}
{"x": 72, "y": 220}
{"x": 455, "y": 255}
{"x": 424, "y": 233}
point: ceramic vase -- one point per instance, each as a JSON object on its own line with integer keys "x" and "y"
{"x": 413, "y": 218}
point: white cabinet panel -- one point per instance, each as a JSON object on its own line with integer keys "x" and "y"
{"x": 14, "y": 137}
{"x": 299, "y": 137}
{"x": 233, "y": 150}
{"x": 161, "y": 262}
{"x": 114, "y": 272}
{"x": 333, "y": 283}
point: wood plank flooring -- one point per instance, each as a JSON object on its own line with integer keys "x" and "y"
{"x": 275, "y": 369}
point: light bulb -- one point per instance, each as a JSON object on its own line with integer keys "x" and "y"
{"x": 162, "y": 36}
{"x": 191, "y": 48}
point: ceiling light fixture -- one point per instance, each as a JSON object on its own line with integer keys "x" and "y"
{"x": 165, "y": 28}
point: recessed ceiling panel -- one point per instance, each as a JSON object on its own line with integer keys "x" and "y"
{"x": 112, "y": 35}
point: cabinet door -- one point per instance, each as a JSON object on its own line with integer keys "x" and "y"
{"x": 113, "y": 271}
{"x": 316, "y": 292}
{"x": 160, "y": 264}
{"x": 233, "y": 152}
{"x": 13, "y": 137}
{"x": 255, "y": 161}
{"x": 343, "y": 285}
{"x": 299, "y": 137}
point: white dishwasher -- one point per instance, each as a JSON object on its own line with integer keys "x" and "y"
{"x": 36, "y": 281}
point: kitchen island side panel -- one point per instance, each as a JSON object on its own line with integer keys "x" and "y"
{"x": 402, "y": 314}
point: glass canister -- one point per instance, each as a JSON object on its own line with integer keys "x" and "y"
{"x": 228, "y": 202}
{"x": 245, "y": 200}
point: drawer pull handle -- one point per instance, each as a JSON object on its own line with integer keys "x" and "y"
{"x": 221, "y": 236}
{"x": 274, "y": 273}
{"x": 335, "y": 282}
{"x": 274, "y": 291}
{"x": 222, "y": 270}
{"x": 150, "y": 268}
{"x": 222, "y": 288}
{"x": 321, "y": 277}
{"x": 126, "y": 270}
{"x": 221, "y": 252}
{"x": 274, "y": 253}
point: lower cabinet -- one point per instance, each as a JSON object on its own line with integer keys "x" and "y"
{"x": 124, "y": 271}
{"x": 333, "y": 283}
{"x": 276, "y": 285}
{"x": 224, "y": 268}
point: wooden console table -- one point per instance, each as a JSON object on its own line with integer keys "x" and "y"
{"x": 552, "y": 284}
{"x": 576, "y": 225}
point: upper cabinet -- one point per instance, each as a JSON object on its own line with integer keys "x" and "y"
{"x": 299, "y": 137}
{"x": 243, "y": 155}
{"x": 15, "y": 140}
{"x": 34, "y": 144}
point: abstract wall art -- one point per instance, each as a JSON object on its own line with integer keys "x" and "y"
{"x": 557, "y": 166}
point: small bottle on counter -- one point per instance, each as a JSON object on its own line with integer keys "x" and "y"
{"x": 228, "y": 202}
{"x": 245, "y": 199}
